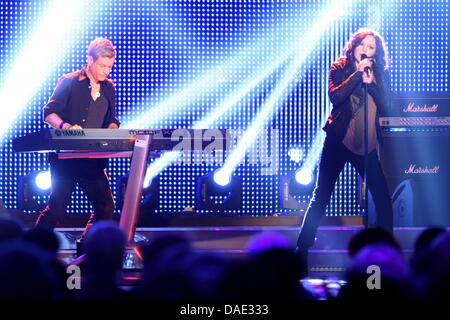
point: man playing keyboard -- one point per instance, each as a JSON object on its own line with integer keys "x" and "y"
{"x": 82, "y": 99}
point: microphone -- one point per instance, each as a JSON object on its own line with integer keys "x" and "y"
{"x": 367, "y": 70}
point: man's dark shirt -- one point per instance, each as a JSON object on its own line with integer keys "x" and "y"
{"x": 73, "y": 103}
{"x": 71, "y": 99}
{"x": 97, "y": 112}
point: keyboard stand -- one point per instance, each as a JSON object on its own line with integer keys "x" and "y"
{"x": 133, "y": 193}
{"x": 132, "y": 199}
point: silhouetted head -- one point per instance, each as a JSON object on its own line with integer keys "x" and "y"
{"x": 105, "y": 246}
{"x": 205, "y": 271}
{"x": 377, "y": 271}
{"x": 10, "y": 228}
{"x": 44, "y": 238}
{"x": 425, "y": 239}
{"x": 267, "y": 240}
{"x": 432, "y": 269}
{"x": 275, "y": 274}
{"x": 24, "y": 272}
{"x": 371, "y": 236}
{"x": 424, "y": 242}
{"x": 161, "y": 243}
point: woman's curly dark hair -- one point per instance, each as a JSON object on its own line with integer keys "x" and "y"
{"x": 381, "y": 54}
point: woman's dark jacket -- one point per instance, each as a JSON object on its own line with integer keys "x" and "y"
{"x": 345, "y": 89}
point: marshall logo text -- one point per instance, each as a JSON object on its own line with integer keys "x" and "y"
{"x": 413, "y": 169}
{"x": 413, "y": 108}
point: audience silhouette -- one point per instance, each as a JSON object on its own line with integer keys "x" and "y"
{"x": 30, "y": 267}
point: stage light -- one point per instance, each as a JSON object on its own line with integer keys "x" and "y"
{"x": 304, "y": 176}
{"x": 43, "y": 180}
{"x": 209, "y": 195}
{"x": 172, "y": 104}
{"x": 215, "y": 77}
{"x": 221, "y": 179}
{"x": 239, "y": 94}
{"x": 32, "y": 192}
{"x": 296, "y": 194}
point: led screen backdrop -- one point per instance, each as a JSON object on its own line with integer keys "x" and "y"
{"x": 258, "y": 68}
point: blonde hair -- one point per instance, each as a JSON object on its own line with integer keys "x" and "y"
{"x": 101, "y": 47}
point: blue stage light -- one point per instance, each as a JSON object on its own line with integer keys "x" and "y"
{"x": 296, "y": 189}
{"x": 32, "y": 194}
{"x": 304, "y": 176}
{"x": 221, "y": 179}
{"x": 43, "y": 180}
{"x": 209, "y": 195}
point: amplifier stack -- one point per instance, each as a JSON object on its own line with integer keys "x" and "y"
{"x": 415, "y": 157}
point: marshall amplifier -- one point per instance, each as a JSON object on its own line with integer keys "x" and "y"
{"x": 416, "y": 163}
{"x": 420, "y": 105}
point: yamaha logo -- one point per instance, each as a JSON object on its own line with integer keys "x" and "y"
{"x": 70, "y": 133}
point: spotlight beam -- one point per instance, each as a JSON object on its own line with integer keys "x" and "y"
{"x": 206, "y": 83}
{"x": 375, "y": 21}
{"x": 36, "y": 60}
{"x": 214, "y": 78}
{"x": 152, "y": 117}
{"x": 319, "y": 27}
{"x": 161, "y": 163}
{"x": 168, "y": 158}
{"x": 305, "y": 47}
{"x": 314, "y": 152}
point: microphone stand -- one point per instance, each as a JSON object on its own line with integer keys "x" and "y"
{"x": 366, "y": 158}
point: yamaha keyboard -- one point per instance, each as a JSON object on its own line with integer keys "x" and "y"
{"x": 113, "y": 143}
{"x": 117, "y": 140}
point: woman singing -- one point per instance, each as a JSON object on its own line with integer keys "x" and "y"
{"x": 364, "y": 62}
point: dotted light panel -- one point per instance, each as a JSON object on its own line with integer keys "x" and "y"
{"x": 180, "y": 61}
